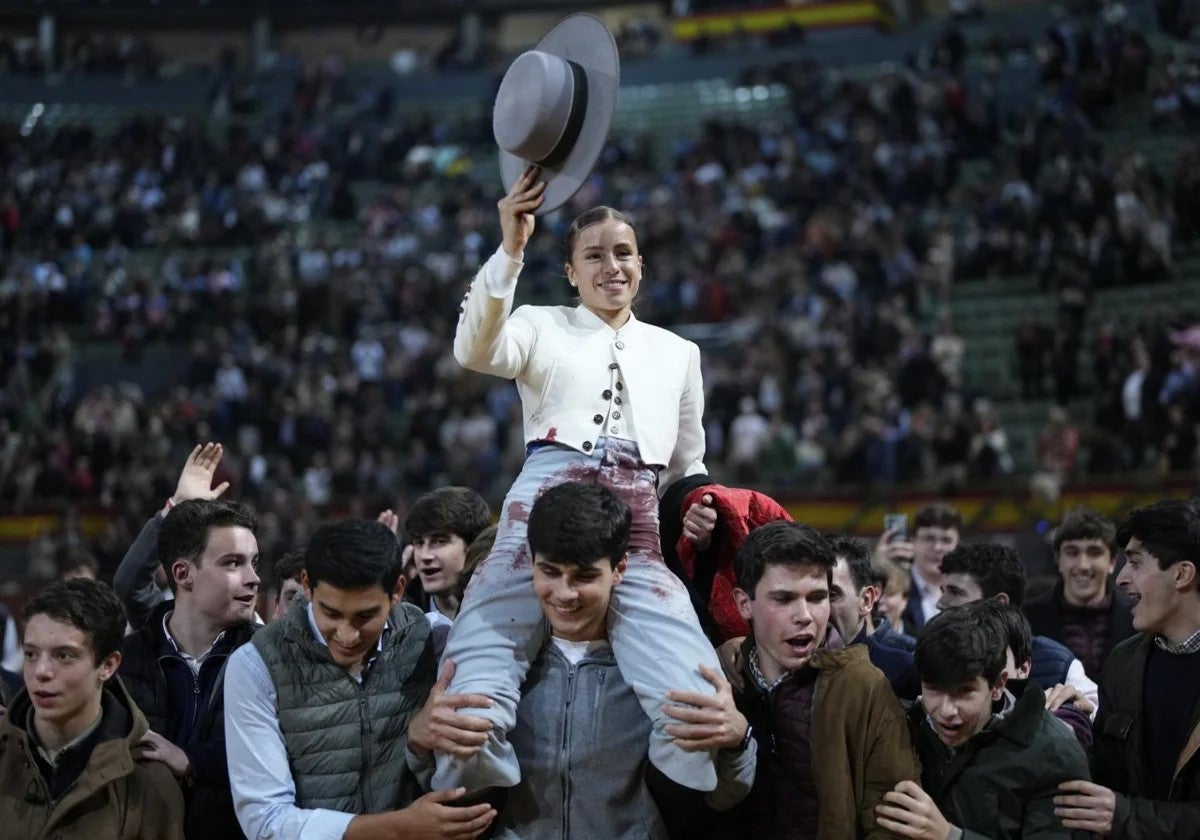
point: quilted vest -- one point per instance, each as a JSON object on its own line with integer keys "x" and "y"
{"x": 346, "y": 740}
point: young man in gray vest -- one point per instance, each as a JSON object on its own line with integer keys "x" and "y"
{"x": 319, "y": 705}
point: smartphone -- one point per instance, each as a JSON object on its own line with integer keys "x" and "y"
{"x": 897, "y": 522}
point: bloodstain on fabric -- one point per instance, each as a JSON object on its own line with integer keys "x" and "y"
{"x": 522, "y": 559}
{"x": 552, "y": 434}
{"x": 660, "y": 593}
{"x": 518, "y": 512}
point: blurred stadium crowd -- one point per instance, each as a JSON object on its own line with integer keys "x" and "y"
{"x": 314, "y": 319}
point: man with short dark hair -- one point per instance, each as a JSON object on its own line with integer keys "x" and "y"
{"x": 286, "y": 577}
{"x": 69, "y": 743}
{"x": 174, "y": 666}
{"x": 135, "y": 581}
{"x": 589, "y": 778}
{"x": 1146, "y": 758}
{"x": 988, "y": 571}
{"x": 831, "y": 733}
{"x": 321, "y": 709}
{"x": 936, "y": 531}
{"x": 442, "y": 524}
{"x": 1085, "y": 611}
{"x": 852, "y": 596}
{"x": 991, "y": 763}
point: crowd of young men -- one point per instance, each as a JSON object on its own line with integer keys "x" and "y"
{"x": 166, "y": 708}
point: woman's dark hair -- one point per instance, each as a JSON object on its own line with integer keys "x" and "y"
{"x": 587, "y": 219}
{"x": 962, "y": 643}
{"x": 185, "y": 530}
{"x": 780, "y": 543}
{"x": 577, "y": 524}
{"x": 88, "y": 605}
{"x": 353, "y": 554}
{"x": 1170, "y": 531}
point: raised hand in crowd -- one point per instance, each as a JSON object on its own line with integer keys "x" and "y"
{"x": 391, "y": 520}
{"x": 1086, "y": 806}
{"x": 432, "y": 817}
{"x": 699, "y": 523}
{"x": 706, "y": 723}
{"x": 516, "y": 211}
{"x": 438, "y": 726}
{"x": 195, "y": 480}
{"x": 910, "y": 812}
{"x": 157, "y": 748}
{"x": 896, "y": 551}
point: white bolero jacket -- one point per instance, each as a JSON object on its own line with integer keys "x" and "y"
{"x": 579, "y": 379}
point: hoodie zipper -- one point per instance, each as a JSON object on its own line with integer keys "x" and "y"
{"x": 565, "y": 753}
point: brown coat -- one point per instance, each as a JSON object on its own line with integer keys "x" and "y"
{"x": 115, "y": 797}
{"x": 860, "y": 746}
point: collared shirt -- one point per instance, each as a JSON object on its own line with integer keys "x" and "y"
{"x": 1189, "y": 645}
{"x": 193, "y": 662}
{"x": 760, "y": 678}
{"x": 264, "y": 792}
{"x": 928, "y": 593}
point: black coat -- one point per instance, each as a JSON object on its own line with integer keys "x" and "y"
{"x": 1120, "y": 760}
{"x": 1045, "y": 616}
{"x": 163, "y": 687}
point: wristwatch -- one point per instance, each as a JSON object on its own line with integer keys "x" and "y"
{"x": 741, "y": 748}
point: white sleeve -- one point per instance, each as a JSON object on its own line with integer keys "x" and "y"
{"x": 1078, "y": 679}
{"x": 688, "y": 457}
{"x": 264, "y": 793}
{"x": 488, "y": 338}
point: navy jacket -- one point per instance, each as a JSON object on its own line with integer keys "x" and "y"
{"x": 896, "y": 664}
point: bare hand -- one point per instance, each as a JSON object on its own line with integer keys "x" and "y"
{"x": 516, "y": 211}
{"x": 715, "y": 723}
{"x": 910, "y": 812}
{"x": 439, "y": 727}
{"x": 157, "y": 748}
{"x": 699, "y": 523}
{"x": 391, "y": 520}
{"x": 429, "y": 818}
{"x": 1062, "y": 694}
{"x": 1086, "y": 806}
{"x": 195, "y": 482}
{"x": 899, "y": 552}
{"x": 730, "y": 655}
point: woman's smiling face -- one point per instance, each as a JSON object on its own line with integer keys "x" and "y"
{"x": 607, "y": 269}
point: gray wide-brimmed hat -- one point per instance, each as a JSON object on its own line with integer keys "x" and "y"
{"x": 555, "y": 105}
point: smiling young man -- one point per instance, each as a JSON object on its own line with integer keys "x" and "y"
{"x": 991, "y": 763}
{"x": 1085, "y": 611}
{"x": 581, "y": 736}
{"x": 321, "y": 708}
{"x": 69, "y": 743}
{"x": 174, "y": 666}
{"x": 1146, "y": 758}
{"x": 936, "y": 532}
{"x": 442, "y": 524}
{"x": 831, "y": 734}
{"x": 988, "y": 571}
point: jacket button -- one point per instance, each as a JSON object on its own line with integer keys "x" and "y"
{"x": 620, "y": 345}
{"x": 616, "y": 415}
{"x": 460, "y": 310}
{"x": 617, "y": 400}
{"x": 613, "y": 430}
{"x": 620, "y": 386}
{"x": 598, "y": 419}
{"x": 607, "y": 395}
{"x": 614, "y": 366}
{"x": 587, "y": 446}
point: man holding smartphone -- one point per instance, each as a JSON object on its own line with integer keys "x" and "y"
{"x": 936, "y": 530}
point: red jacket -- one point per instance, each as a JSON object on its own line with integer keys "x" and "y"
{"x": 738, "y": 513}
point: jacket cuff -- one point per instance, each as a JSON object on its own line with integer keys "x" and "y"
{"x": 500, "y": 274}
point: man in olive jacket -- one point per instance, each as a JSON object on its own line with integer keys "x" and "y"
{"x": 69, "y": 742}
{"x": 1146, "y": 758}
{"x": 831, "y": 734}
{"x": 990, "y": 763}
